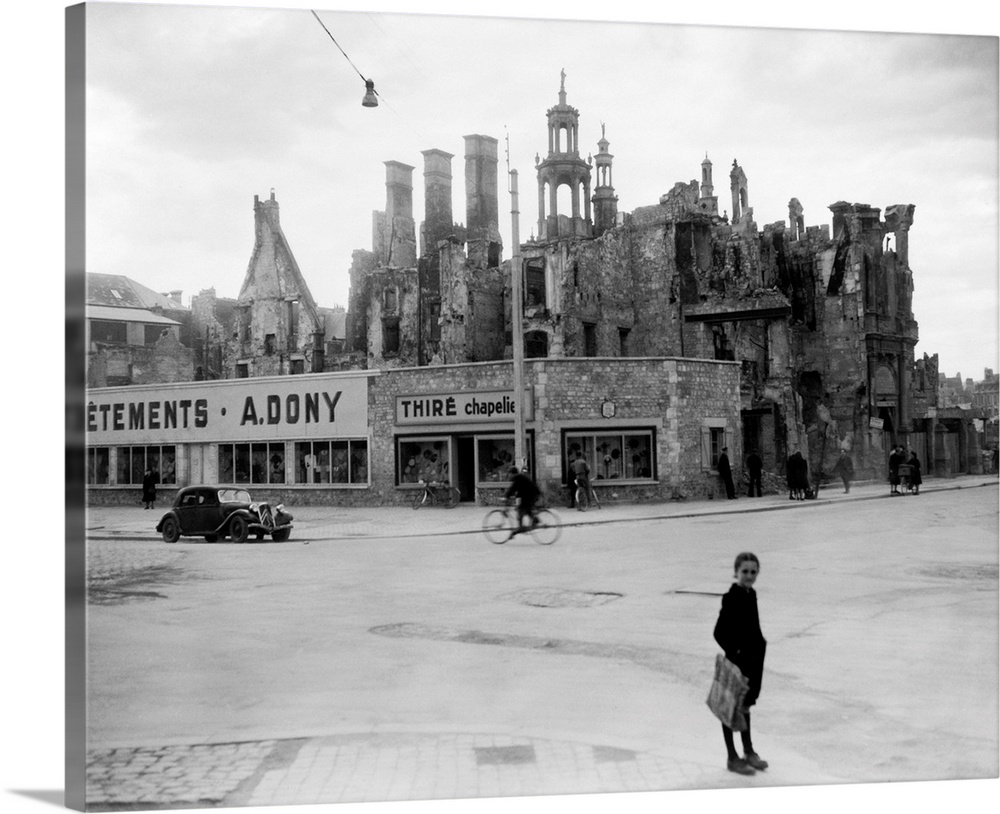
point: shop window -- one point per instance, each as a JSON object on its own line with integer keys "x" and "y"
{"x": 424, "y": 459}
{"x": 132, "y": 463}
{"x": 334, "y": 462}
{"x": 103, "y": 331}
{"x": 494, "y": 457}
{"x": 252, "y": 463}
{"x": 614, "y": 456}
{"x": 98, "y": 465}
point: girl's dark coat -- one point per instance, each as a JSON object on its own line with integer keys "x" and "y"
{"x": 738, "y": 633}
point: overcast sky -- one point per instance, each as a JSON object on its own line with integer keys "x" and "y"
{"x": 193, "y": 110}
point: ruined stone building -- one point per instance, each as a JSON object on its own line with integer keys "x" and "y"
{"x": 819, "y": 318}
{"x": 653, "y": 339}
{"x": 447, "y": 306}
{"x": 274, "y": 327}
{"x": 134, "y": 335}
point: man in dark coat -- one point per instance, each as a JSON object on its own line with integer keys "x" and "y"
{"x": 527, "y": 493}
{"x": 755, "y": 468}
{"x": 149, "y": 481}
{"x": 726, "y": 473}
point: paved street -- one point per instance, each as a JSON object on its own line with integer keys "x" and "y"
{"x": 391, "y": 654}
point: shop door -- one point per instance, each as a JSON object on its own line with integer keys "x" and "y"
{"x": 465, "y": 449}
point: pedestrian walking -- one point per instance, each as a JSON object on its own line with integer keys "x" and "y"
{"x": 915, "y": 479}
{"x": 579, "y": 476}
{"x": 755, "y": 470}
{"x": 845, "y": 468}
{"x": 996, "y": 456}
{"x": 895, "y": 459}
{"x": 149, "y": 481}
{"x": 797, "y": 476}
{"x": 738, "y": 633}
{"x": 726, "y": 474}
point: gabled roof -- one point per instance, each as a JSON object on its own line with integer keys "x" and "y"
{"x": 119, "y": 291}
{"x": 111, "y": 314}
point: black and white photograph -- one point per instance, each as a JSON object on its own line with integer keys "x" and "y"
{"x": 541, "y": 406}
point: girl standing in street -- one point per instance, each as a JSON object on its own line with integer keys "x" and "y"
{"x": 738, "y": 633}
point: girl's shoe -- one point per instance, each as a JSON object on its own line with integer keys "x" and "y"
{"x": 740, "y": 766}
{"x": 754, "y": 760}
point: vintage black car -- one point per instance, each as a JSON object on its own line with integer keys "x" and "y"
{"x": 215, "y": 512}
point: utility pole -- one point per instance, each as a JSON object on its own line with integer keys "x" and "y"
{"x": 517, "y": 329}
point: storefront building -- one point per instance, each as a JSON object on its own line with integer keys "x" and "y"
{"x": 650, "y": 429}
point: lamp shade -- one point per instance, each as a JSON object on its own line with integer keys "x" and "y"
{"x": 370, "y": 99}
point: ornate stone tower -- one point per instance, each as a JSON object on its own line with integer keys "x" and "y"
{"x": 709, "y": 201}
{"x": 605, "y": 200}
{"x": 563, "y": 165}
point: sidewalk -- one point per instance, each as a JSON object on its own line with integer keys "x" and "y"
{"x": 314, "y": 523}
{"x": 408, "y": 761}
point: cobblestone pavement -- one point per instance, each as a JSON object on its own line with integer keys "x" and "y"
{"x": 371, "y": 767}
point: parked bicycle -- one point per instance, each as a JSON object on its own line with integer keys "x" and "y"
{"x": 585, "y": 496}
{"x": 544, "y": 529}
{"x": 434, "y": 493}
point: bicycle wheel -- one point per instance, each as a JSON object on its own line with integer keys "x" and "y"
{"x": 548, "y": 528}
{"x": 582, "y": 499}
{"x": 421, "y": 498}
{"x": 496, "y": 526}
{"x": 453, "y": 497}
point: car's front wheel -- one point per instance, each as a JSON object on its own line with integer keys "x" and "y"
{"x": 171, "y": 531}
{"x": 238, "y": 529}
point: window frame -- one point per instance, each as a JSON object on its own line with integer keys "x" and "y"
{"x": 600, "y": 454}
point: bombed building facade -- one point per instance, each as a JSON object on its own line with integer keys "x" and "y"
{"x": 819, "y": 318}
{"x": 653, "y": 340}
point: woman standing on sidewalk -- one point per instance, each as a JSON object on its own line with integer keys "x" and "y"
{"x": 738, "y": 633}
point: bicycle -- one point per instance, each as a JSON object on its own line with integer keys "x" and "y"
{"x": 433, "y": 493}
{"x": 585, "y": 495}
{"x": 499, "y": 523}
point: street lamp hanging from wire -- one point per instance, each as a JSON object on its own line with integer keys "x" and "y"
{"x": 371, "y": 95}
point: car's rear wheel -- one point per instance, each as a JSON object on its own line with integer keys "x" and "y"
{"x": 171, "y": 531}
{"x": 280, "y": 535}
{"x": 238, "y": 529}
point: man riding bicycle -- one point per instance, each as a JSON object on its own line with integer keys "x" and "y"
{"x": 527, "y": 493}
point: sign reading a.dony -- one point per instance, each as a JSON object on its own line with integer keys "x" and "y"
{"x": 235, "y": 410}
{"x": 455, "y": 408}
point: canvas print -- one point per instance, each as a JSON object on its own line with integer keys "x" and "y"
{"x": 457, "y": 392}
